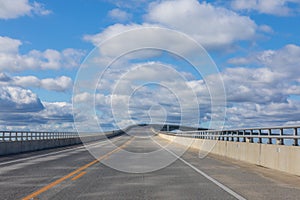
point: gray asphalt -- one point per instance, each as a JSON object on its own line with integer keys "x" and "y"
{"x": 46, "y": 174}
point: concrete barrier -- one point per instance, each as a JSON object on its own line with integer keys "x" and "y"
{"x": 14, "y": 147}
{"x": 278, "y": 157}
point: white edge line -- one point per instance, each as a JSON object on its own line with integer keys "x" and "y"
{"x": 228, "y": 190}
{"x": 225, "y": 188}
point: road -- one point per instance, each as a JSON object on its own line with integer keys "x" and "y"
{"x": 73, "y": 173}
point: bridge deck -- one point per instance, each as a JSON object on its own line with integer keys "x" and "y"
{"x": 51, "y": 175}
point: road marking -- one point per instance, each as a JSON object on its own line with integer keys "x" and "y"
{"x": 49, "y": 154}
{"x": 78, "y": 176}
{"x": 51, "y": 185}
{"x": 228, "y": 190}
{"x": 225, "y": 188}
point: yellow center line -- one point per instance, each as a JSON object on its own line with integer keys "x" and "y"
{"x": 58, "y": 181}
{"x": 78, "y": 176}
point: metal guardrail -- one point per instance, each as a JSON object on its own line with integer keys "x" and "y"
{"x": 9, "y": 136}
{"x": 269, "y": 135}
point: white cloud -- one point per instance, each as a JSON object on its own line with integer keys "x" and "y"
{"x": 21, "y": 109}
{"x": 131, "y": 4}
{"x": 260, "y": 85}
{"x": 12, "y": 60}
{"x": 256, "y": 97}
{"x": 62, "y": 83}
{"x": 4, "y": 78}
{"x": 9, "y": 45}
{"x": 285, "y": 60}
{"x": 57, "y": 111}
{"x": 131, "y": 94}
{"x": 274, "y": 7}
{"x": 263, "y": 115}
{"x": 119, "y": 15}
{"x": 17, "y": 8}
{"x": 209, "y": 25}
{"x": 16, "y": 100}
{"x": 266, "y": 29}
{"x": 213, "y": 27}
{"x": 265, "y": 95}
{"x": 59, "y": 84}
{"x": 39, "y": 9}
{"x": 25, "y": 81}
{"x": 133, "y": 37}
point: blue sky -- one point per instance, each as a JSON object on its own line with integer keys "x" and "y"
{"x": 255, "y": 46}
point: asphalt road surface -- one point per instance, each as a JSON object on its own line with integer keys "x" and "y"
{"x": 76, "y": 173}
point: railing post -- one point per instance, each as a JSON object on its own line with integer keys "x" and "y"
{"x": 279, "y": 141}
{"x": 296, "y": 139}
{"x": 270, "y": 138}
{"x": 250, "y": 139}
{"x": 226, "y": 133}
{"x": 259, "y": 136}
{"x": 244, "y": 135}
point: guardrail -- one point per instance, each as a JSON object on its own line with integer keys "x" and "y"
{"x": 8, "y": 136}
{"x": 13, "y": 142}
{"x": 269, "y": 135}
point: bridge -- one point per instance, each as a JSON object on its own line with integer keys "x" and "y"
{"x": 255, "y": 163}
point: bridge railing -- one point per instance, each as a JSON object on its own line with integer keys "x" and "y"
{"x": 283, "y": 135}
{"x": 8, "y": 136}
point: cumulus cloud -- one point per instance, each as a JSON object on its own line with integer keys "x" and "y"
{"x": 263, "y": 115}
{"x": 17, "y": 8}
{"x": 213, "y": 27}
{"x": 21, "y": 109}
{"x": 257, "y": 94}
{"x": 260, "y": 85}
{"x": 119, "y": 15}
{"x": 12, "y": 60}
{"x": 266, "y": 93}
{"x": 59, "y": 84}
{"x": 274, "y": 7}
{"x": 16, "y": 100}
{"x": 137, "y": 95}
{"x": 57, "y": 111}
{"x": 255, "y": 97}
{"x": 285, "y": 60}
